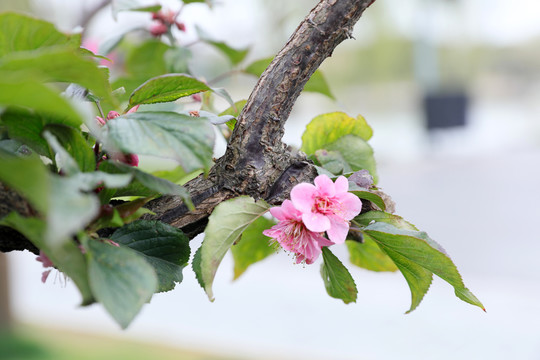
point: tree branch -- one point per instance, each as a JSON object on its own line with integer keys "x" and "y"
{"x": 256, "y": 162}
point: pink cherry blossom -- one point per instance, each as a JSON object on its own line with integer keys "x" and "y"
{"x": 291, "y": 233}
{"x": 327, "y": 206}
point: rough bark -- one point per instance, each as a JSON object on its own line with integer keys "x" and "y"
{"x": 256, "y": 162}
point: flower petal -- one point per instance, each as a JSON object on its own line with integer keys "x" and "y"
{"x": 302, "y": 196}
{"x": 289, "y": 211}
{"x": 341, "y": 185}
{"x": 325, "y": 186}
{"x": 338, "y": 230}
{"x": 277, "y": 212}
{"x": 316, "y": 221}
{"x": 322, "y": 241}
{"x": 351, "y": 206}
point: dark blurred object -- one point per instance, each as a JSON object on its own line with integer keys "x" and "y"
{"x": 445, "y": 110}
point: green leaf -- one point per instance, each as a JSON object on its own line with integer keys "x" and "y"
{"x": 21, "y": 32}
{"x": 227, "y": 222}
{"x": 145, "y": 184}
{"x": 70, "y": 210}
{"x": 59, "y": 65}
{"x": 163, "y": 246}
{"x": 369, "y": 256}
{"x": 208, "y": 2}
{"x": 188, "y": 140}
{"x": 381, "y": 216}
{"x": 76, "y": 146}
{"x": 132, "y": 5}
{"x": 26, "y": 127}
{"x": 252, "y": 247}
{"x": 177, "y": 59}
{"x": 234, "y": 110}
{"x": 72, "y": 205}
{"x": 371, "y": 196}
{"x": 29, "y": 177}
{"x": 197, "y": 267}
{"x": 356, "y": 152}
{"x": 337, "y": 279}
{"x": 64, "y": 160}
{"x": 234, "y": 55}
{"x": 68, "y": 258}
{"x": 332, "y": 161}
{"x": 11, "y": 147}
{"x": 120, "y": 279}
{"x": 166, "y": 88}
{"x": 224, "y": 94}
{"x": 328, "y": 128}
{"x": 418, "y": 278}
{"x": 32, "y": 94}
{"x": 317, "y": 82}
{"x": 414, "y": 248}
{"x": 147, "y": 60}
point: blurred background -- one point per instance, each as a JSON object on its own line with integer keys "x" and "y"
{"x": 452, "y": 91}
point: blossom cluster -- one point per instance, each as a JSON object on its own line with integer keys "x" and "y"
{"x": 312, "y": 211}
{"x": 163, "y": 21}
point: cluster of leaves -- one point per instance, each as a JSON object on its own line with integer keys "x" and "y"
{"x": 378, "y": 240}
{"x": 54, "y": 153}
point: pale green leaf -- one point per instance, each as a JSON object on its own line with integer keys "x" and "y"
{"x": 369, "y": 256}
{"x": 21, "y": 33}
{"x": 29, "y": 93}
{"x": 381, "y": 216}
{"x": 68, "y": 258}
{"x": 253, "y": 246}
{"x": 227, "y": 222}
{"x": 332, "y": 161}
{"x": 188, "y": 140}
{"x": 356, "y": 152}
{"x": 59, "y": 65}
{"x": 122, "y": 280}
{"x": 64, "y": 160}
{"x": 328, "y": 128}
{"x": 29, "y": 177}
{"x": 132, "y": 5}
{"x": 415, "y": 247}
{"x": 234, "y": 110}
{"x": 234, "y": 55}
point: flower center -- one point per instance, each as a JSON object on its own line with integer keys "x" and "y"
{"x": 323, "y": 205}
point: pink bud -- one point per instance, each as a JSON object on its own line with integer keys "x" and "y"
{"x": 196, "y": 97}
{"x": 131, "y": 159}
{"x": 181, "y": 26}
{"x": 112, "y": 114}
{"x": 100, "y": 120}
{"x": 158, "y": 29}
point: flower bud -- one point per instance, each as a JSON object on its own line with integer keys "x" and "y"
{"x": 158, "y": 29}
{"x": 181, "y": 26}
{"x": 112, "y": 114}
